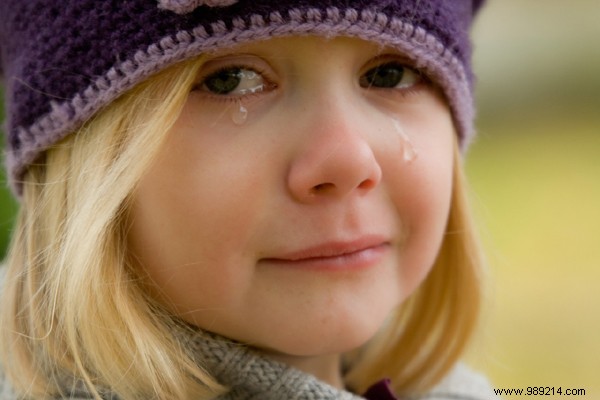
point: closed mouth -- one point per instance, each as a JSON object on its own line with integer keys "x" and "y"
{"x": 335, "y": 254}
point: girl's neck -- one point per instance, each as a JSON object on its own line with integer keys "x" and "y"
{"x": 326, "y": 368}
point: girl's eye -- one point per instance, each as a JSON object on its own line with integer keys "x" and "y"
{"x": 237, "y": 81}
{"x": 390, "y": 75}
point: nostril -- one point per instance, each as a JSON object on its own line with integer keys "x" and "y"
{"x": 367, "y": 184}
{"x": 328, "y": 187}
{"x": 322, "y": 188}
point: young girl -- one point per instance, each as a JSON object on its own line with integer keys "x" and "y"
{"x": 238, "y": 200}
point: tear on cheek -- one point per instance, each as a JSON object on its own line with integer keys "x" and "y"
{"x": 239, "y": 114}
{"x": 409, "y": 152}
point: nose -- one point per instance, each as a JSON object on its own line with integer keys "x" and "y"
{"x": 334, "y": 160}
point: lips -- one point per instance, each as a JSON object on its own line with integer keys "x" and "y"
{"x": 335, "y": 255}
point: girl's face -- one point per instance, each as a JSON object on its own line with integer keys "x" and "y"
{"x": 287, "y": 209}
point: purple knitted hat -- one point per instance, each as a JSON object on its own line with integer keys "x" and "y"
{"x": 62, "y": 61}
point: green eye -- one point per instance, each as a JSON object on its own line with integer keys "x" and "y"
{"x": 224, "y": 81}
{"x": 389, "y": 75}
{"x": 234, "y": 81}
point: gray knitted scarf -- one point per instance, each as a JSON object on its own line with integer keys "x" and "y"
{"x": 252, "y": 376}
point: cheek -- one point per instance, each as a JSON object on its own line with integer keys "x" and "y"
{"x": 421, "y": 193}
{"x": 425, "y": 231}
{"x": 193, "y": 222}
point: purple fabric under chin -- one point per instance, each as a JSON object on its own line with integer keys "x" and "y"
{"x": 380, "y": 391}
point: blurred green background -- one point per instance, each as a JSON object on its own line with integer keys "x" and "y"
{"x": 535, "y": 175}
{"x": 8, "y": 206}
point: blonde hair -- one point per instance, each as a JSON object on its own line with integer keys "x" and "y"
{"x": 73, "y": 309}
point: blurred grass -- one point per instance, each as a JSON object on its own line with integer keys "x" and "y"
{"x": 537, "y": 193}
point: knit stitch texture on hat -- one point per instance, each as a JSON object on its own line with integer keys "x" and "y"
{"x": 64, "y": 61}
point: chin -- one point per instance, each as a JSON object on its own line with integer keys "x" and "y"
{"x": 328, "y": 337}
